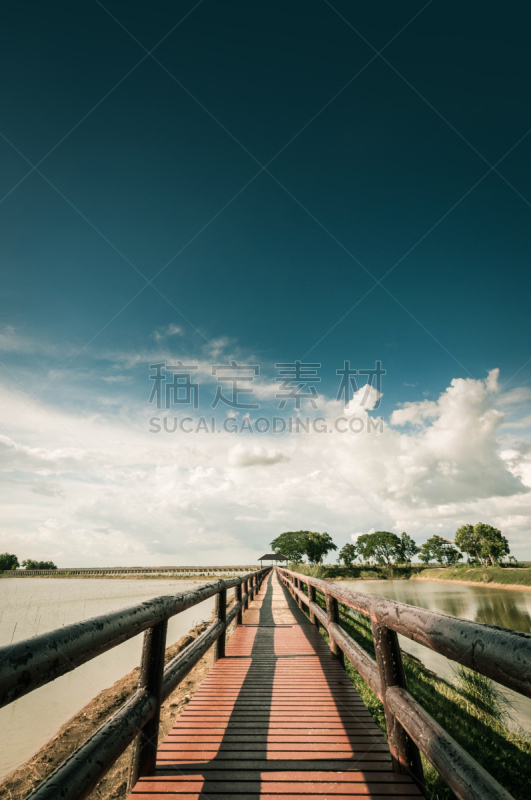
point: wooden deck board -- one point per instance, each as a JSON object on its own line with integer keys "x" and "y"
{"x": 277, "y": 718}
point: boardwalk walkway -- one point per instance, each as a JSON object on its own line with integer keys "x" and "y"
{"x": 277, "y": 718}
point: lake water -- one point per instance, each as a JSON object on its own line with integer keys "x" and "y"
{"x": 503, "y": 607}
{"x": 35, "y": 605}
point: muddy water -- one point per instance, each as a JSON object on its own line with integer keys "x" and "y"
{"x": 503, "y": 607}
{"x": 35, "y": 605}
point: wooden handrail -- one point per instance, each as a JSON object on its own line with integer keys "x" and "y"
{"x": 26, "y": 665}
{"x": 498, "y": 653}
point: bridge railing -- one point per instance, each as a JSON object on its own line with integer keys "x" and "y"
{"x": 28, "y": 664}
{"x": 498, "y": 653}
{"x": 72, "y": 571}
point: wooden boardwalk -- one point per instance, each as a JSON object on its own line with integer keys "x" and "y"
{"x": 277, "y": 718}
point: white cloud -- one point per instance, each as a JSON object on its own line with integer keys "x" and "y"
{"x": 356, "y": 536}
{"x": 169, "y": 330}
{"x": 14, "y": 342}
{"x": 16, "y": 456}
{"x": 86, "y": 487}
{"x": 254, "y": 456}
{"x": 365, "y": 399}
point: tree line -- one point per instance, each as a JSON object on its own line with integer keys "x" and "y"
{"x": 483, "y": 544}
{"x": 10, "y": 561}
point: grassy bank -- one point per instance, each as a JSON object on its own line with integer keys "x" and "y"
{"x": 364, "y": 572}
{"x": 503, "y": 576}
{"x": 471, "y": 709}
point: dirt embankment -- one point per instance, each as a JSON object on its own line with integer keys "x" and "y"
{"x": 113, "y": 786}
{"x": 514, "y": 587}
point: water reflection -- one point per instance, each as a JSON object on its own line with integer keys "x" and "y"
{"x": 502, "y": 607}
{"x": 456, "y": 606}
{"x": 504, "y": 611}
{"x": 34, "y": 605}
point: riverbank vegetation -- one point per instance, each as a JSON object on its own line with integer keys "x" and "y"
{"x": 472, "y": 708}
{"x": 9, "y": 561}
{"x": 367, "y": 572}
{"x": 508, "y": 576}
{"x": 483, "y": 544}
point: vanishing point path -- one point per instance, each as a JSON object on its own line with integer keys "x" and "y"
{"x": 276, "y": 718}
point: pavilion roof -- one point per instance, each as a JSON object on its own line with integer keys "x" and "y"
{"x": 273, "y": 557}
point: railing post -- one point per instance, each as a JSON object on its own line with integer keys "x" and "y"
{"x": 404, "y": 752}
{"x": 238, "y": 599}
{"x": 220, "y": 615}
{"x": 245, "y": 590}
{"x": 299, "y": 587}
{"x": 144, "y": 750}
{"x": 332, "y": 612}
{"x": 312, "y": 599}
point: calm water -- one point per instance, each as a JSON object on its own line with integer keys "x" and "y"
{"x": 478, "y": 603}
{"x": 35, "y": 605}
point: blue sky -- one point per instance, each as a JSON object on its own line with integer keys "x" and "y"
{"x": 314, "y": 182}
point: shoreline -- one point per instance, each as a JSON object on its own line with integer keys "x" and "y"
{"x": 514, "y": 587}
{"x": 18, "y": 784}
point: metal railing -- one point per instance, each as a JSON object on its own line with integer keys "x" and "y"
{"x": 498, "y": 653}
{"x": 26, "y": 665}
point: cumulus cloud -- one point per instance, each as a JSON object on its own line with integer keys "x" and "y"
{"x": 364, "y": 400}
{"x": 255, "y": 456}
{"x": 14, "y": 455}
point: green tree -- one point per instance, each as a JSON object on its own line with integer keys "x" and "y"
{"x": 451, "y": 555}
{"x": 425, "y": 554}
{"x": 381, "y": 545}
{"x": 408, "y": 549}
{"x": 8, "y": 561}
{"x": 291, "y": 544}
{"x": 468, "y": 540}
{"x": 347, "y": 554}
{"x": 318, "y": 545}
{"x": 494, "y": 546}
{"x": 482, "y": 542}
{"x": 440, "y": 550}
{"x": 31, "y": 564}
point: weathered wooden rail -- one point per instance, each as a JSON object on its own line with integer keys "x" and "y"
{"x": 26, "y": 665}
{"x": 498, "y": 653}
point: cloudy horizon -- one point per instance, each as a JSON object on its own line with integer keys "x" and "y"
{"x": 90, "y": 480}
{"x": 210, "y": 185}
